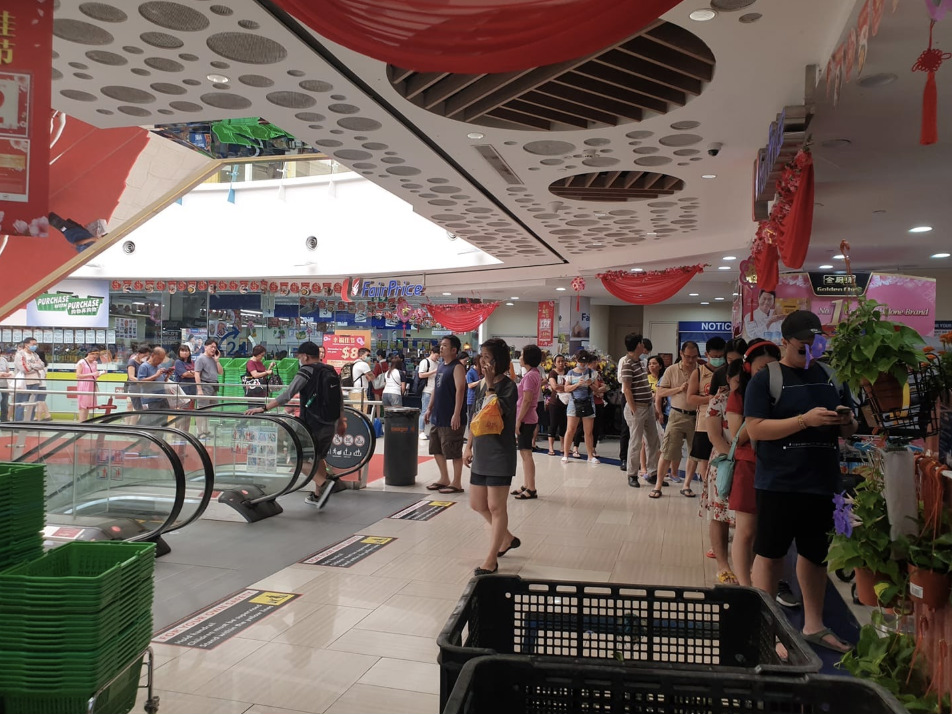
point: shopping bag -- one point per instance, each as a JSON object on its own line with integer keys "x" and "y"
{"x": 176, "y": 396}
{"x": 723, "y": 467}
{"x": 488, "y": 420}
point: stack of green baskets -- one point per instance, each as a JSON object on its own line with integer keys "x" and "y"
{"x": 70, "y": 622}
{"x": 234, "y": 368}
{"x": 22, "y": 495}
{"x": 287, "y": 368}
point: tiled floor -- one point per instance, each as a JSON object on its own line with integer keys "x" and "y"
{"x": 364, "y": 639}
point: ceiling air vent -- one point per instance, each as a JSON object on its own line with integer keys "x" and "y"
{"x": 499, "y": 164}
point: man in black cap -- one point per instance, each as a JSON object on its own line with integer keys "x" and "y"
{"x": 315, "y": 385}
{"x": 797, "y": 429}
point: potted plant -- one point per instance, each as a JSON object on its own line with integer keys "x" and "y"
{"x": 929, "y": 560}
{"x": 891, "y": 662}
{"x": 870, "y": 352}
{"x": 862, "y": 542}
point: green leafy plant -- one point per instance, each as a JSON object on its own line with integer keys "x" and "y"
{"x": 862, "y": 538}
{"x": 890, "y": 661}
{"x": 866, "y": 344}
{"x": 928, "y": 553}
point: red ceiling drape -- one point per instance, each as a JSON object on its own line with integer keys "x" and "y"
{"x": 475, "y": 36}
{"x": 797, "y": 227}
{"x": 767, "y": 260}
{"x": 464, "y": 317}
{"x": 651, "y": 287}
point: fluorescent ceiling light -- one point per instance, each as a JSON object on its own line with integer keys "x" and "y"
{"x": 920, "y": 229}
{"x": 693, "y": 294}
{"x": 729, "y": 257}
{"x": 447, "y": 294}
{"x": 513, "y": 298}
{"x": 637, "y": 270}
{"x": 826, "y": 267}
{"x": 718, "y": 299}
{"x": 709, "y": 176}
{"x": 561, "y": 290}
{"x": 651, "y": 233}
{"x": 941, "y": 255}
{"x": 703, "y": 15}
{"x": 705, "y": 303}
{"x": 510, "y": 304}
{"x": 723, "y": 267}
{"x": 839, "y": 256}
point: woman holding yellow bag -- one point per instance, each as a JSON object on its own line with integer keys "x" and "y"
{"x": 491, "y": 450}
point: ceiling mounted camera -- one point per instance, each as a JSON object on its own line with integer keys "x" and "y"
{"x": 311, "y": 242}
{"x": 714, "y": 149}
{"x": 128, "y": 247}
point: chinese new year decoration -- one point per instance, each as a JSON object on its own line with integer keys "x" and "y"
{"x": 476, "y": 36}
{"x": 929, "y": 62}
{"x": 578, "y": 285}
{"x": 464, "y": 317}
{"x": 650, "y": 287}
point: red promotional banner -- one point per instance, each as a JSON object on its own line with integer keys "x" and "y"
{"x": 546, "y": 323}
{"x": 342, "y": 347}
{"x": 26, "y": 44}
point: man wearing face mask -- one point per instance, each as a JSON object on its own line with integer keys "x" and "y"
{"x": 798, "y": 468}
{"x": 699, "y": 395}
{"x": 31, "y": 371}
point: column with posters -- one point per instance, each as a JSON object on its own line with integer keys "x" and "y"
{"x": 910, "y": 299}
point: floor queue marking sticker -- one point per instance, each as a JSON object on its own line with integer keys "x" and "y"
{"x": 348, "y": 552}
{"x": 422, "y": 510}
{"x": 208, "y": 628}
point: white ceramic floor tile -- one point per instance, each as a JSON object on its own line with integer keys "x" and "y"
{"x": 387, "y": 644}
{"x": 401, "y": 674}
{"x": 364, "y": 699}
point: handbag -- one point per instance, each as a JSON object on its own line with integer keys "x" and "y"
{"x": 253, "y": 386}
{"x": 584, "y": 407}
{"x": 489, "y": 419}
{"x": 723, "y": 466}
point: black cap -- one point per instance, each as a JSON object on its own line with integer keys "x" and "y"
{"x": 801, "y": 325}
{"x": 309, "y": 348}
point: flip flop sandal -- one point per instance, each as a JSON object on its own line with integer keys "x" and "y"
{"x": 726, "y": 577}
{"x": 527, "y": 494}
{"x": 817, "y": 639}
{"x": 451, "y": 489}
{"x": 436, "y": 486}
{"x": 551, "y": 453}
{"x": 655, "y": 493}
{"x": 710, "y": 554}
{"x": 688, "y": 493}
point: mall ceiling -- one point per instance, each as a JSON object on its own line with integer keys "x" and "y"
{"x": 564, "y": 170}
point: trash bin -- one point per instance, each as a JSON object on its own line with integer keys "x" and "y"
{"x": 401, "y": 433}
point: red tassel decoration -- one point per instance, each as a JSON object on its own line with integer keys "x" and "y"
{"x": 930, "y": 61}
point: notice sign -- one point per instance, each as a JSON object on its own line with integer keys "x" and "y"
{"x": 348, "y": 552}
{"x": 208, "y": 629}
{"x": 422, "y": 511}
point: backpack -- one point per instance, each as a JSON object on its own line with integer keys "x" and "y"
{"x": 776, "y": 379}
{"x": 347, "y": 375}
{"x": 419, "y": 383}
{"x": 321, "y": 400}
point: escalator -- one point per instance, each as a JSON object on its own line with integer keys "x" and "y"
{"x": 106, "y": 482}
{"x": 256, "y": 458}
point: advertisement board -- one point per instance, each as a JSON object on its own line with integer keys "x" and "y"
{"x": 546, "y": 322}
{"x": 342, "y": 346}
{"x": 71, "y": 303}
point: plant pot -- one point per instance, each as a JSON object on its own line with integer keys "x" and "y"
{"x": 929, "y": 587}
{"x": 887, "y": 391}
{"x": 865, "y": 583}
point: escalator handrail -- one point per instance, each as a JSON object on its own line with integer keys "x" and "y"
{"x": 292, "y": 485}
{"x": 176, "y": 463}
{"x": 291, "y": 417}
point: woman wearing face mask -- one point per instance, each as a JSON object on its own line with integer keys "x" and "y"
{"x": 699, "y": 396}
{"x": 558, "y": 402}
{"x": 86, "y": 375}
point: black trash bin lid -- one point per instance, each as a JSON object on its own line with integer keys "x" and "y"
{"x": 401, "y": 411}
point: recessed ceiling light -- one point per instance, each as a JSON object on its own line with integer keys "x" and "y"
{"x": 839, "y": 256}
{"x": 826, "y": 267}
{"x": 718, "y": 299}
{"x": 735, "y": 294}
{"x": 217, "y": 78}
{"x": 920, "y": 229}
{"x": 723, "y": 267}
{"x": 729, "y": 257}
{"x": 637, "y": 270}
{"x": 703, "y": 15}
{"x": 510, "y": 304}
{"x": 941, "y": 255}
{"x": 705, "y": 303}
{"x": 651, "y": 233}
{"x": 475, "y": 135}
{"x": 693, "y": 294}
{"x": 709, "y": 176}
{"x": 561, "y": 290}
{"x": 447, "y": 294}
{"x": 513, "y": 298}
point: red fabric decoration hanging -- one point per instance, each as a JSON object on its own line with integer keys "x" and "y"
{"x": 578, "y": 285}
{"x": 797, "y": 228}
{"x": 651, "y": 287}
{"x": 464, "y": 317}
{"x": 475, "y": 36}
{"x": 930, "y": 61}
{"x": 766, "y": 258}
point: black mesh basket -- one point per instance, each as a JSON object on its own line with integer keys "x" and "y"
{"x": 489, "y": 685}
{"x": 715, "y": 629}
{"x": 918, "y": 417}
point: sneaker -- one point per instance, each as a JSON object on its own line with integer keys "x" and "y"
{"x": 594, "y": 460}
{"x": 424, "y": 437}
{"x": 312, "y": 499}
{"x": 786, "y": 596}
{"x": 676, "y": 479}
{"x": 565, "y": 459}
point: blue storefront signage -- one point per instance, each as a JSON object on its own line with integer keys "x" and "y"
{"x": 702, "y": 331}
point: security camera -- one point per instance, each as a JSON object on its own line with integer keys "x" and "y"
{"x": 311, "y": 242}
{"x": 714, "y": 149}
{"x": 128, "y": 247}
{"x": 451, "y": 236}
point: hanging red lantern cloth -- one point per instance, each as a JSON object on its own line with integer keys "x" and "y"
{"x": 578, "y": 285}
{"x": 651, "y": 287}
{"x": 476, "y": 36}
{"x": 929, "y": 62}
{"x": 797, "y": 226}
{"x": 464, "y": 317}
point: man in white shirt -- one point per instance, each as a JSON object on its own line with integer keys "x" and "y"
{"x": 6, "y": 371}
{"x": 762, "y": 322}
{"x": 360, "y": 373}
{"x": 427, "y": 370}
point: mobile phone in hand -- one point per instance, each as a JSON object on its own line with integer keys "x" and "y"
{"x": 843, "y": 410}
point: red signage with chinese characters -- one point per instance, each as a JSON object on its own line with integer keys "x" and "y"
{"x": 546, "y": 322}
{"x": 26, "y": 45}
{"x": 342, "y": 347}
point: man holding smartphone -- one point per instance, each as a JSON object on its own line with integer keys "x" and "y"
{"x": 207, "y": 368}
{"x": 150, "y": 377}
{"x": 798, "y": 466}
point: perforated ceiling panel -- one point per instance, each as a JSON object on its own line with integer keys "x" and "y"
{"x": 160, "y": 62}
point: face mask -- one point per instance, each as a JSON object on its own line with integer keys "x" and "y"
{"x": 644, "y": 358}
{"x": 33, "y": 348}
{"x": 300, "y": 362}
{"x": 717, "y": 361}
